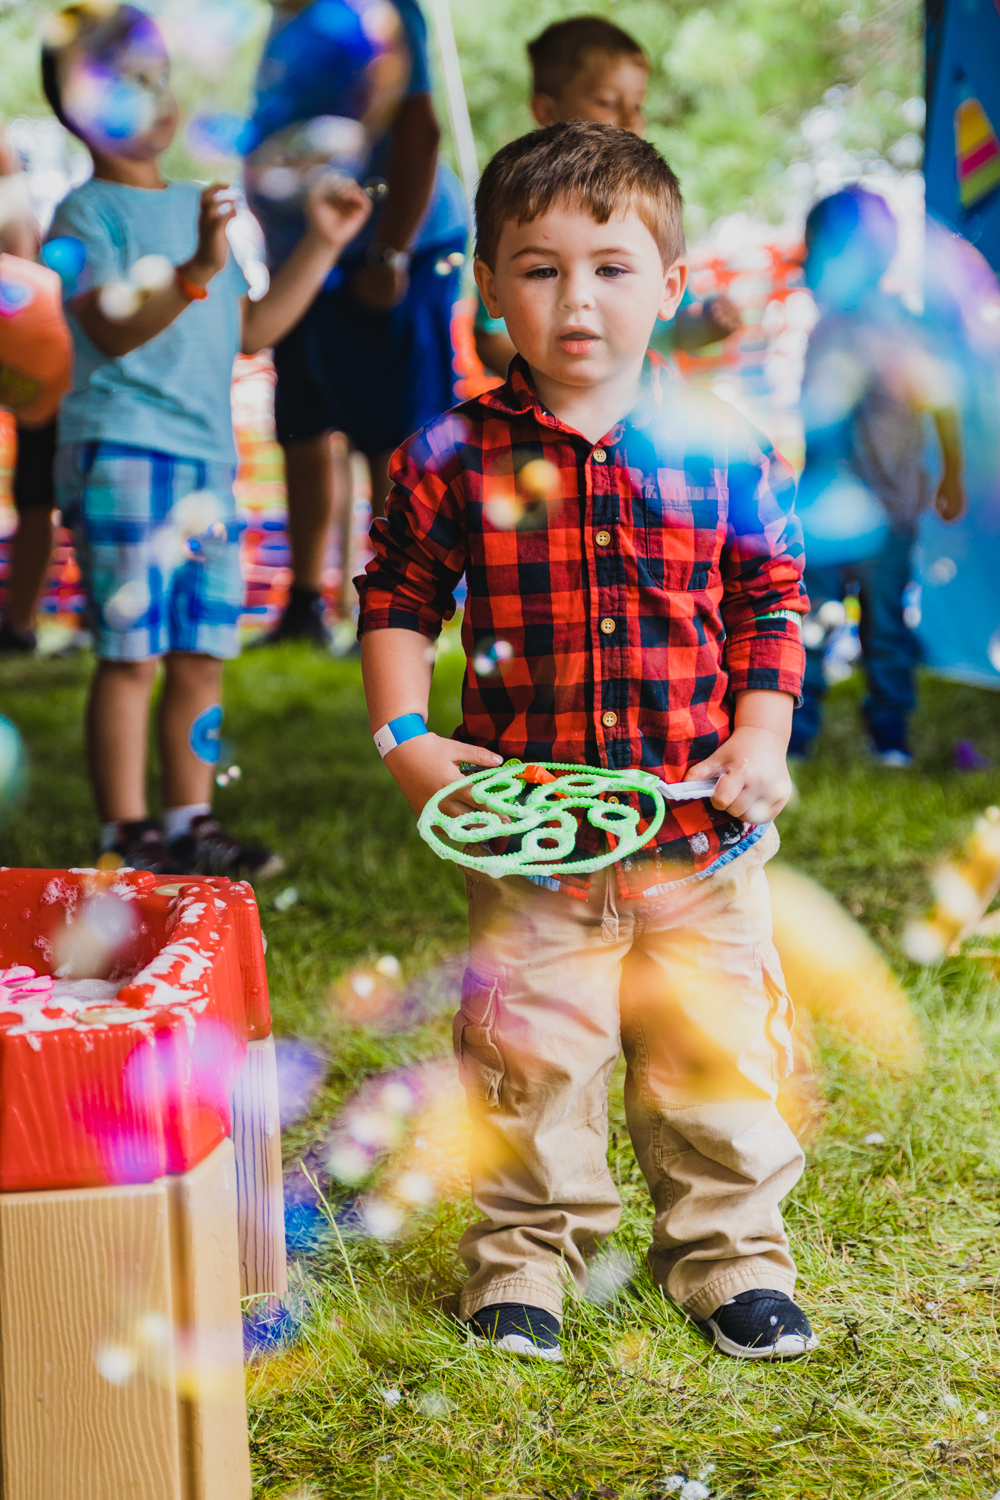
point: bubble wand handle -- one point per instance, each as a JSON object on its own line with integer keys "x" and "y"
{"x": 539, "y": 804}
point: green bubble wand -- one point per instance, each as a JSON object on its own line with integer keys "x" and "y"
{"x": 538, "y": 804}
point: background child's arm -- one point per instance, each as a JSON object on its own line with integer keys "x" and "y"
{"x": 117, "y": 336}
{"x": 755, "y": 784}
{"x": 335, "y": 211}
{"x": 397, "y": 666}
{"x": 950, "y": 500}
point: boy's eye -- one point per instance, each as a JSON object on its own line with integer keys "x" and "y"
{"x": 542, "y": 273}
{"x": 611, "y": 271}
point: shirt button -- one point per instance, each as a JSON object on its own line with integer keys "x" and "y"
{"x": 603, "y": 538}
{"x": 609, "y": 719}
{"x": 608, "y": 626}
{"x": 599, "y": 455}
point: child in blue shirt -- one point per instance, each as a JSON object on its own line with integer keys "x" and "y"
{"x": 146, "y": 456}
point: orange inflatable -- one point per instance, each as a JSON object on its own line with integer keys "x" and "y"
{"x": 36, "y": 351}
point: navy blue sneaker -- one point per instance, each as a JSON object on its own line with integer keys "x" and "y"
{"x": 760, "y": 1324}
{"x": 530, "y": 1332}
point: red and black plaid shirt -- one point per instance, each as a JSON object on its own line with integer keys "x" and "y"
{"x": 660, "y": 574}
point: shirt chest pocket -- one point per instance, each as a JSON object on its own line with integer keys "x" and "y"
{"x": 679, "y": 533}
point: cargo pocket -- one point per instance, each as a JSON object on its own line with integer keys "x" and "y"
{"x": 480, "y": 1061}
{"x": 780, "y": 1020}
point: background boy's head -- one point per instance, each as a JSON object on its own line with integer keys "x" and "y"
{"x": 547, "y": 264}
{"x": 106, "y": 74}
{"x": 851, "y": 237}
{"x": 588, "y": 69}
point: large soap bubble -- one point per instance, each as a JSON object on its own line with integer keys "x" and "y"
{"x": 329, "y": 84}
{"x": 842, "y": 521}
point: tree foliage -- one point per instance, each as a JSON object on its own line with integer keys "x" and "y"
{"x": 740, "y": 90}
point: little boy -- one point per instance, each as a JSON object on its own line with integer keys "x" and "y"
{"x": 146, "y": 455}
{"x": 650, "y": 606}
{"x": 586, "y": 68}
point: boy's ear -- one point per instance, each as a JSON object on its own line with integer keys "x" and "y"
{"x": 544, "y": 109}
{"x": 675, "y": 279}
{"x": 486, "y": 282}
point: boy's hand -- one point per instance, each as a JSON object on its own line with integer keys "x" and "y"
{"x": 336, "y": 210}
{"x": 950, "y": 501}
{"x": 424, "y": 765}
{"x": 755, "y": 783}
{"x": 213, "y": 244}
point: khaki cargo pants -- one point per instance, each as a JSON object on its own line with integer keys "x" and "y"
{"x": 689, "y": 986}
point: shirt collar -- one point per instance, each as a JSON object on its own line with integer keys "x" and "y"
{"x": 518, "y": 397}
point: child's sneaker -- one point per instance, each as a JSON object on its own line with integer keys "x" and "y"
{"x": 760, "y": 1324}
{"x": 529, "y": 1331}
{"x": 140, "y": 846}
{"x": 302, "y": 620}
{"x": 208, "y": 849}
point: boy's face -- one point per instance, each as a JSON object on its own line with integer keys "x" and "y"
{"x": 123, "y": 106}
{"x": 580, "y": 298}
{"x": 610, "y": 90}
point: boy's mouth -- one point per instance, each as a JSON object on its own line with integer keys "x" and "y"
{"x": 578, "y": 340}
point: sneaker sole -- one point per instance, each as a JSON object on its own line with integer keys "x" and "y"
{"x": 517, "y": 1343}
{"x": 789, "y": 1346}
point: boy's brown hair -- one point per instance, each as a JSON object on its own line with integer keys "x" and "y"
{"x": 600, "y": 167}
{"x": 560, "y": 53}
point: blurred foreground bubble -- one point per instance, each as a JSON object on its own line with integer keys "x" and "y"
{"x": 963, "y": 888}
{"x": 66, "y": 256}
{"x": 11, "y": 761}
{"x": 88, "y": 941}
{"x": 215, "y": 137}
{"x": 287, "y": 898}
{"x": 149, "y": 1346}
{"x": 608, "y": 1274}
{"x": 118, "y": 300}
{"x": 128, "y": 604}
{"x": 835, "y": 974}
{"x": 491, "y": 656}
{"x": 301, "y": 1071}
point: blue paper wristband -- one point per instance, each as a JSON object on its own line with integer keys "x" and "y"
{"x": 397, "y": 732}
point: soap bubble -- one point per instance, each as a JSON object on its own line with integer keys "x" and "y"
{"x": 128, "y": 604}
{"x": 151, "y": 273}
{"x": 942, "y": 570}
{"x": 301, "y": 1071}
{"x": 286, "y": 899}
{"x": 491, "y": 656}
{"x": 538, "y": 481}
{"x": 118, "y": 300}
{"x": 993, "y": 650}
{"x": 11, "y": 760}
{"x": 66, "y": 256}
{"x": 104, "y": 106}
{"x": 842, "y": 521}
{"x": 607, "y": 1275}
{"x": 215, "y": 137}
{"x": 205, "y": 33}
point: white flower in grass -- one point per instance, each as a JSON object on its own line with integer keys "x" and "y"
{"x": 951, "y": 1401}
{"x": 875, "y": 1138}
{"x": 982, "y": 1417}
{"x": 390, "y": 1395}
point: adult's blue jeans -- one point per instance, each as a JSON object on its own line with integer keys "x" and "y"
{"x": 889, "y": 645}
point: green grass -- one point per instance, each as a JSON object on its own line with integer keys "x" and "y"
{"x": 897, "y": 1244}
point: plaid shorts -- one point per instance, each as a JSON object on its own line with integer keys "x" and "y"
{"x": 157, "y": 541}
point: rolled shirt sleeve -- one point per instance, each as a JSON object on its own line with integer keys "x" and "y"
{"x": 762, "y": 563}
{"x": 420, "y": 545}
